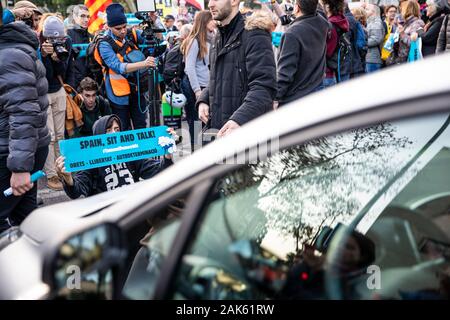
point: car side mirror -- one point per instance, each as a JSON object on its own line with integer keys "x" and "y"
{"x": 326, "y": 234}
{"x": 86, "y": 265}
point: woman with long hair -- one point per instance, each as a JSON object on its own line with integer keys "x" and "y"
{"x": 195, "y": 50}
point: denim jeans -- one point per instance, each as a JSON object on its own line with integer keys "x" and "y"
{"x": 372, "y": 67}
{"x": 328, "y": 82}
{"x": 132, "y": 112}
{"x": 191, "y": 112}
{"x": 13, "y": 210}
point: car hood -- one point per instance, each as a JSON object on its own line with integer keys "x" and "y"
{"x": 64, "y": 216}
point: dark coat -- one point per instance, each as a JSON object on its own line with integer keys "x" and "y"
{"x": 302, "y": 61}
{"x": 242, "y": 82}
{"x": 443, "y": 43}
{"x": 23, "y": 97}
{"x": 80, "y": 69}
{"x": 430, "y": 37}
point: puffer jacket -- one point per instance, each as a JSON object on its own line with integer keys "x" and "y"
{"x": 242, "y": 82}
{"x": 375, "y": 34}
{"x": 23, "y": 97}
{"x": 443, "y": 43}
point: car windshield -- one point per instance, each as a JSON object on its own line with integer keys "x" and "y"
{"x": 264, "y": 215}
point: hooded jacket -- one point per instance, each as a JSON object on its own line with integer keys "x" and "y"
{"x": 89, "y": 182}
{"x": 301, "y": 61}
{"x": 339, "y": 22}
{"x": 242, "y": 82}
{"x": 23, "y": 97}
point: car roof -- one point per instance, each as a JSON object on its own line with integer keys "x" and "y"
{"x": 398, "y": 83}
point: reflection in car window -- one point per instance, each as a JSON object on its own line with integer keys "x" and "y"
{"x": 155, "y": 246}
{"x": 271, "y": 228}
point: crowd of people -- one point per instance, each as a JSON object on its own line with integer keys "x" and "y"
{"x": 58, "y": 81}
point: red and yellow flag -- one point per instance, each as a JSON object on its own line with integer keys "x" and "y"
{"x": 97, "y": 10}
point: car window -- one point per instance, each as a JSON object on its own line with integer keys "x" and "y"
{"x": 278, "y": 228}
{"x": 150, "y": 243}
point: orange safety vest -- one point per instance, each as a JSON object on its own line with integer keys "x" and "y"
{"x": 119, "y": 84}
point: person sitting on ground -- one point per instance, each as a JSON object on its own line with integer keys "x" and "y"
{"x": 93, "y": 106}
{"x": 92, "y": 181}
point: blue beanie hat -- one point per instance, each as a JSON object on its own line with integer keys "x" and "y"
{"x": 115, "y": 15}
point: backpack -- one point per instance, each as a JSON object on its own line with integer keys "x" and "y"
{"x": 341, "y": 55}
{"x": 94, "y": 62}
{"x": 173, "y": 65}
{"x": 361, "y": 41}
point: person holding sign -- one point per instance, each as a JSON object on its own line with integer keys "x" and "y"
{"x": 92, "y": 181}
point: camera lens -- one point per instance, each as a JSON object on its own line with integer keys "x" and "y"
{"x": 61, "y": 52}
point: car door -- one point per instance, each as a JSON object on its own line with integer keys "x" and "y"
{"x": 258, "y": 230}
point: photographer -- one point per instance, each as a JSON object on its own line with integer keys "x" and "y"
{"x": 56, "y": 55}
{"x": 114, "y": 51}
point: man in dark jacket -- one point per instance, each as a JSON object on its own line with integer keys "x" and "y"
{"x": 301, "y": 62}
{"x": 242, "y": 82}
{"x": 90, "y": 182}
{"x": 80, "y": 37}
{"x": 24, "y": 137}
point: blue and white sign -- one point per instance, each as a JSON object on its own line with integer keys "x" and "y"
{"x": 106, "y": 149}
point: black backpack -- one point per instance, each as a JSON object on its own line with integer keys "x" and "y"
{"x": 341, "y": 55}
{"x": 173, "y": 65}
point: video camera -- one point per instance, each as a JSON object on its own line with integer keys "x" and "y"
{"x": 153, "y": 46}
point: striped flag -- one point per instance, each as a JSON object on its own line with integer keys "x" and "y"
{"x": 97, "y": 9}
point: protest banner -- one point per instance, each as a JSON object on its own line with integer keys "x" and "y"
{"x": 111, "y": 148}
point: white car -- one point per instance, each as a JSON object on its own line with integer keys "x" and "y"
{"x": 344, "y": 194}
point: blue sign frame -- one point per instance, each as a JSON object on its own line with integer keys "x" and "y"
{"x": 111, "y": 148}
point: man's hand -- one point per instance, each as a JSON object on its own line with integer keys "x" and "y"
{"x": 227, "y": 128}
{"x": 22, "y": 13}
{"x": 150, "y": 62}
{"x": 414, "y": 36}
{"x": 175, "y": 137}
{"x": 198, "y": 94}
{"x": 61, "y": 171}
{"x": 20, "y": 183}
{"x": 47, "y": 49}
{"x": 203, "y": 112}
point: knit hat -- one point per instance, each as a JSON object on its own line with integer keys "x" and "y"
{"x": 115, "y": 15}
{"x": 53, "y": 28}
